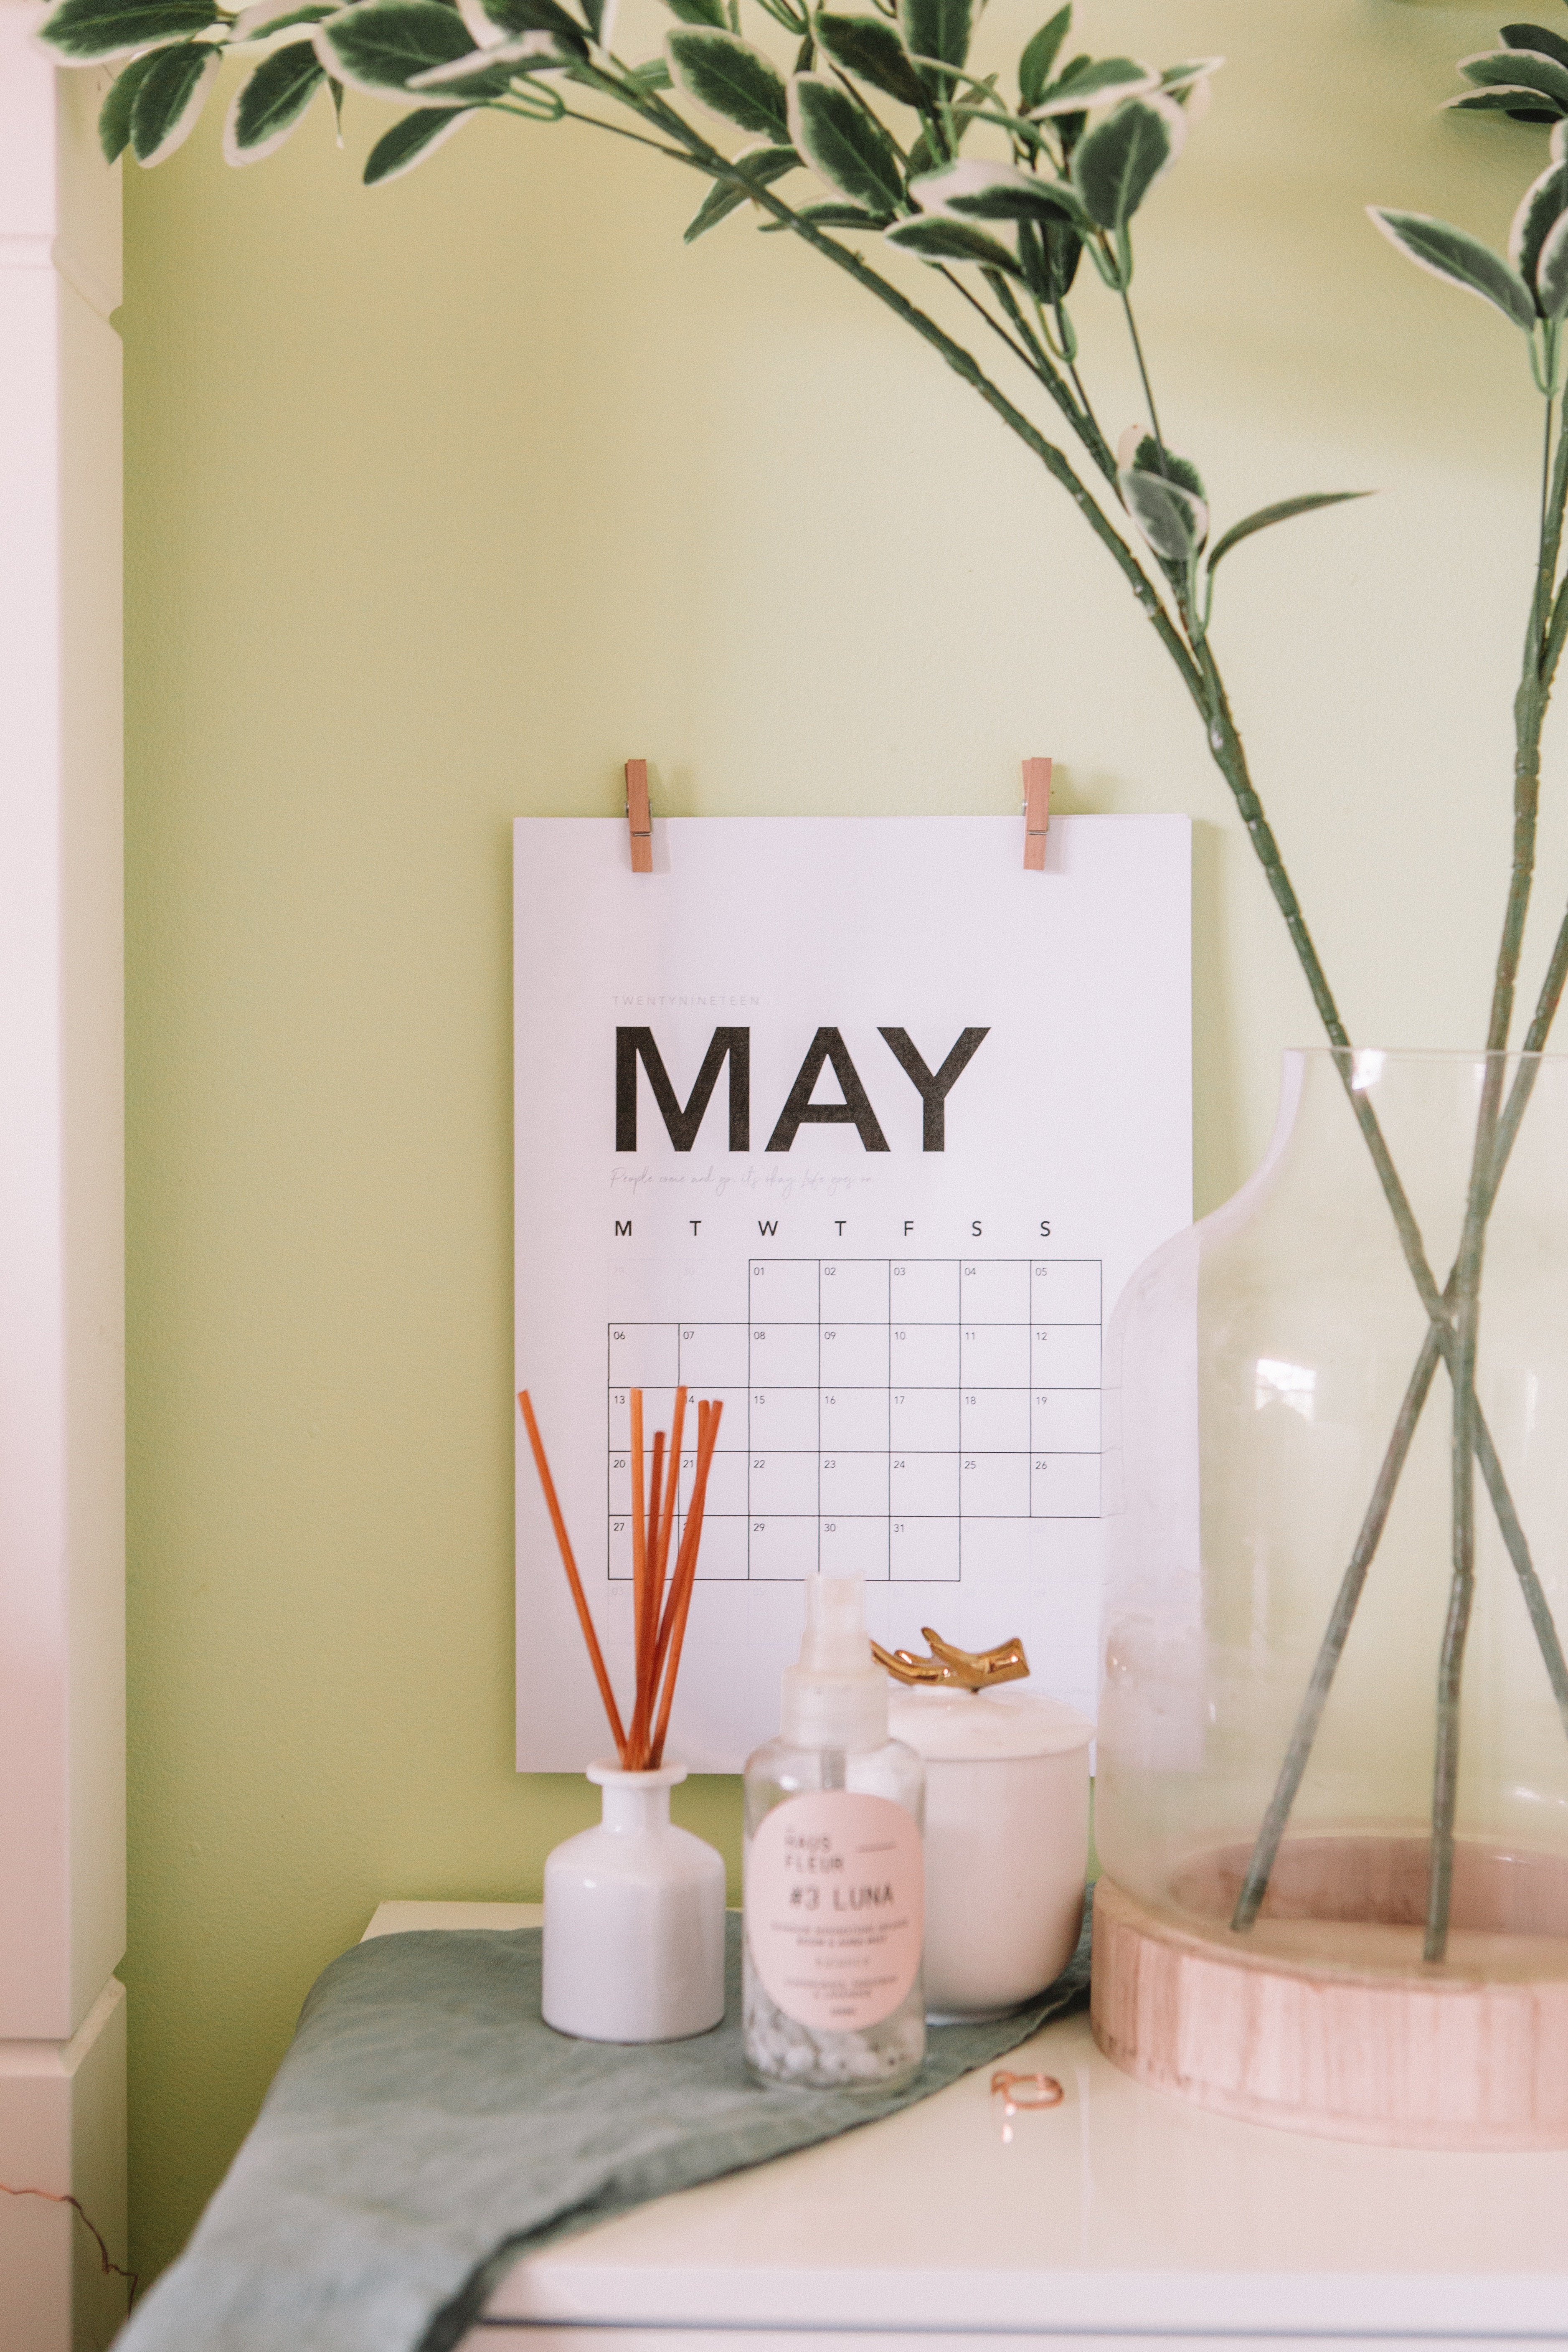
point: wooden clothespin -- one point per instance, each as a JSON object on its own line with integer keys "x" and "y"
{"x": 639, "y": 816}
{"x": 1036, "y": 813}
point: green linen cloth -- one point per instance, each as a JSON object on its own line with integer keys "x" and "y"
{"x": 426, "y": 2127}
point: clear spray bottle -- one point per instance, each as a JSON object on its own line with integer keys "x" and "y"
{"x": 835, "y": 1871}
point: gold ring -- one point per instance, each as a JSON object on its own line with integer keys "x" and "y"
{"x": 1022, "y": 2091}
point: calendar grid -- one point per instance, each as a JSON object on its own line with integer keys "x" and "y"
{"x": 893, "y": 1415}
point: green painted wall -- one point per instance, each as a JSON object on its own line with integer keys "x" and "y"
{"x": 441, "y": 502}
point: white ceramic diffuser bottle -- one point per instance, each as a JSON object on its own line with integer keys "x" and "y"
{"x": 835, "y": 1874}
{"x": 634, "y": 1919}
{"x": 1006, "y": 1836}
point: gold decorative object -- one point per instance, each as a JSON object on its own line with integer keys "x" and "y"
{"x": 954, "y": 1669}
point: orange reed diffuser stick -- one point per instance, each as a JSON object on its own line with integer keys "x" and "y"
{"x": 658, "y": 1619}
{"x": 685, "y": 1573}
{"x": 639, "y": 1529}
{"x": 573, "y": 1579}
{"x": 647, "y": 1608}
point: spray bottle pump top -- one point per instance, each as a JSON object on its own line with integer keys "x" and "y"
{"x": 837, "y": 1696}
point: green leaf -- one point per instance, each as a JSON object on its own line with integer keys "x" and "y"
{"x": 1051, "y": 256}
{"x": 169, "y": 98}
{"x": 1176, "y": 79}
{"x": 938, "y": 29}
{"x": 655, "y": 75}
{"x": 480, "y": 76}
{"x": 267, "y": 107}
{"x": 700, "y": 12}
{"x": 268, "y": 18}
{"x": 1454, "y": 255}
{"x": 841, "y": 141}
{"x": 828, "y": 214}
{"x": 1552, "y": 272}
{"x": 1148, "y": 458}
{"x": 1087, "y": 81}
{"x": 114, "y": 115}
{"x": 380, "y": 45}
{"x": 1280, "y": 512}
{"x": 1115, "y": 165}
{"x": 88, "y": 32}
{"x": 409, "y": 142}
{"x": 1518, "y": 69}
{"x": 1537, "y": 37}
{"x": 936, "y": 236}
{"x": 1174, "y": 523}
{"x": 1518, "y": 105}
{"x": 867, "y": 45}
{"x": 731, "y": 78}
{"x": 763, "y": 164}
{"x": 998, "y": 192}
{"x": 1040, "y": 55}
{"x": 517, "y": 17}
{"x": 832, "y": 215}
{"x": 1543, "y": 202}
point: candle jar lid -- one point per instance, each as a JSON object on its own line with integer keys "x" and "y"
{"x": 951, "y": 1725}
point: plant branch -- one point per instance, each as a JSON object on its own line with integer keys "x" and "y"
{"x": 1330, "y": 1649}
{"x": 1143, "y": 371}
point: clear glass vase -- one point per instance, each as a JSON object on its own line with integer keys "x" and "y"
{"x": 1269, "y": 1748}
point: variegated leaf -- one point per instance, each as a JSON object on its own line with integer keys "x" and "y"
{"x": 841, "y": 141}
{"x": 936, "y": 236}
{"x": 1551, "y": 271}
{"x": 870, "y": 48}
{"x": 732, "y": 78}
{"x": 1174, "y": 523}
{"x": 763, "y": 164}
{"x": 380, "y": 45}
{"x": 1090, "y": 82}
{"x": 938, "y": 29}
{"x": 93, "y": 32}
{"x": 169, "y": 100}
{"x": 114, "y": 115}
{"x": 1536, "y": 37}
{"x": 1040, "y": 55}
{"x": 1462, "y": 259}
{"x": 998, "y": 192}
{"x": 1520, "y": 105}
{"x": 1544, "y": 201}
{"x": 267, "y": 106}
{"x": 409, "y": 142}
{"x": 1518, "y": 69}
{"x": 1116, "y": 163}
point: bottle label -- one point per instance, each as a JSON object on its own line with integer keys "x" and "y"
{"x": 834, "y": 1908}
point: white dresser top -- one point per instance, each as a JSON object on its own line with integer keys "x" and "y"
{"x": 1122, "y": 2212}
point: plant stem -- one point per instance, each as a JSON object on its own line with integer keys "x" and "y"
{"x": 1529, "y": 713}
{"x": 1138, "y": 353}
{"x": 1332, "y": 1648}
{"x": 1462, "y": 1534}
{"x": 1457, "y": 1340}
{"x": 967, "y": 368}
{"x": 1195, "y": 664}
{"x": 1255, "y": 1886}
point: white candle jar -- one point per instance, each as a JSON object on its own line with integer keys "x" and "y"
{"x": 634, "y": 1919}
{"x": 1006, "y": 1841}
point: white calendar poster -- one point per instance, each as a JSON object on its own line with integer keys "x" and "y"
{"x": 856, "y": 1127}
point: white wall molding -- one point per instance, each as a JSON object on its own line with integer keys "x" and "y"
{"x": 62, "y": 1777}
{"x": 35, "y": 252}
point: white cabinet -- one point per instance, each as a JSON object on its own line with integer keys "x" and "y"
{"x": 1122, "y": 2217}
